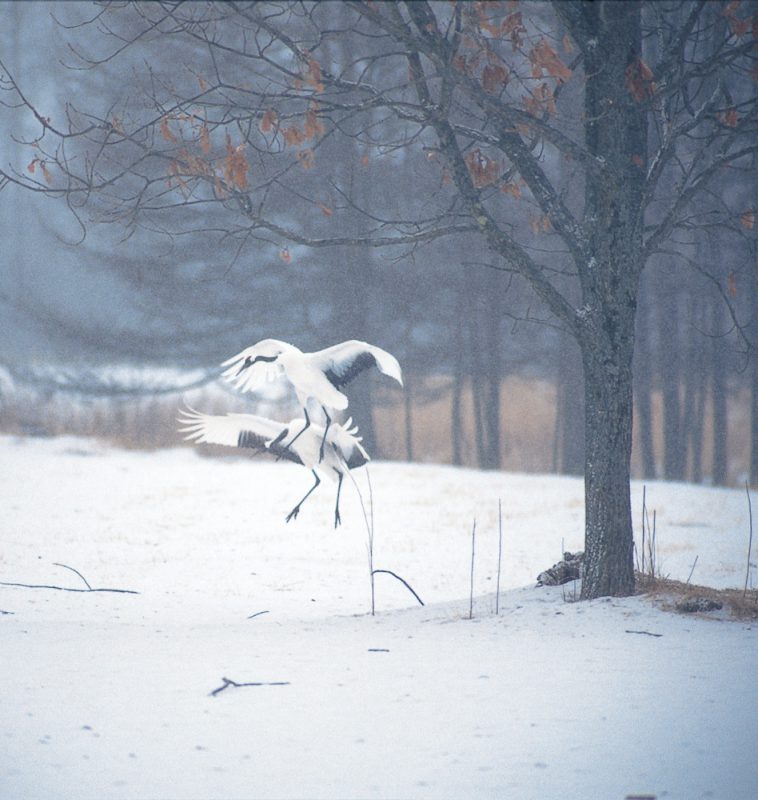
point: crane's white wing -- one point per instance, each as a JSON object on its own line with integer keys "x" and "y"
{"x": 342, "y": 362}
{"x": 236, "y": 430}
{"x": 249, "y": 378}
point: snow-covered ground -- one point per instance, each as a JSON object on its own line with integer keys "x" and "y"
{"x": 108, "y": 695}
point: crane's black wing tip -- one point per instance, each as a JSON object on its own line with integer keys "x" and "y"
{"x": 362, "y": 361}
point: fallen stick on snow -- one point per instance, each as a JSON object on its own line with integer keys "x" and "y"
{"x": 66, "y": 588}
{"x": 646, "y": 633}
{"x": 227, "y": 683}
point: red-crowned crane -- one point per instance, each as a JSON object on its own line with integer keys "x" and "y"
{"x": 317, "y": 376}
{"x": 343, "y": 450}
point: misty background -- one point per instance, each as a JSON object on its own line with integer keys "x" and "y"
{"x": 106, "y": 328}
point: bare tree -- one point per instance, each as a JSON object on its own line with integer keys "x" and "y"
{"x": 572, "y": 161}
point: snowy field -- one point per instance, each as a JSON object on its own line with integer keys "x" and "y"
{"x": 108, "y": 695}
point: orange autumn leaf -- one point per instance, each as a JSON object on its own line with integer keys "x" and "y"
{"x": 166, "y": 132}
{"x": 293, "y": 135}
{"x": 739, "y": 26}
{"x": 494, "y": 77}
{"x": 205, "y": 139}
{"x": 307, "y": 158}
{"x": 542, "y": 99}
{"x": 285, "y": 255}
{"x": 175, "y": 176}
{"x": 313, "y": 75}
{"x": 639, "y": 80}
{"x": 512, "y": 189}
{"x": 731, "y": 117}
{"x": 731, "y": 284}
{"x": 219, "y": 188}
{"x": 325, "y": 210}
{"x": 747, "y": 219}
{"x": 235, "y": 165}
{"x": 269, "y": 120}
{"x": 313, "y": 126}
{"x": 484, "y": 23}
{"x": 511, "y": 23}
{"x": 483, "y": 169}
{"x": 543, "y": 57}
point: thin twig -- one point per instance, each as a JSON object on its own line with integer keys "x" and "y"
{"x": 647, "y": 633}
{"x": 644, "y": 515}
{"x": 371, "y": 541}
{"x": 473, "y": 555}
{"x": 369, "y": 521}
{"x": 750, "y": 540}
{"x": 369, "y": 534}
{"x": 66, "y": 566}
{"x": 689, "y": 577}
{"x": 64, "y": 588}
{"x": 370, "y": 501}
{"x": 403, "y": 581}
{"x": 227, "y": 683}
{"x": 499, "y": 553}
{"x": 257, "y": 614}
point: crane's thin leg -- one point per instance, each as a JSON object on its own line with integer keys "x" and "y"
{"x": 326, "y": 430}
{"x": 337, "y": 519}
{"x": 296, "y": 510}
{"x": 294, "y": 438}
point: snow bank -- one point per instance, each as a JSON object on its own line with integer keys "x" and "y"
{"x": 108, "y": 695}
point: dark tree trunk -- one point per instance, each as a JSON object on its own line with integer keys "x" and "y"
{"x": 643, "y": 387}
{"x": 456, "y": 420}
{"x": 670, "y": 382}
{"x": 474, "y": 350}
{"x": 754, "y": 337}
{"x": 609, "y": 543}
{"x": 718, "y": 396}
{"x": 492, "y": 358}
{"x": 694, "y": 406}
{"x": 570, "y": 410}
{"x": 616, "y": 133}
{"x": 698, "y": 428}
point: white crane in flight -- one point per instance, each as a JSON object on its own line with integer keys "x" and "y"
{"x": 333, "y": 452}
{"x": 316, "y": 376}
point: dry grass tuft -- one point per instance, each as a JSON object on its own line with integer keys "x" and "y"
{"x": 667, "y": 593}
